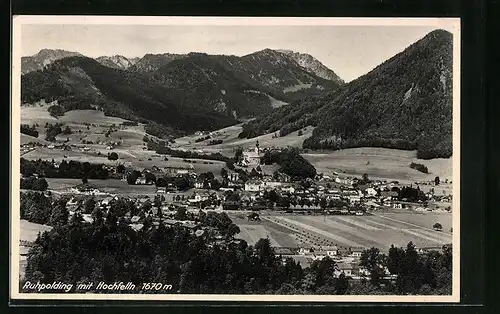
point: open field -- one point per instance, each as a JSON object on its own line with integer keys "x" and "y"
{"x": 25, "y": 139}
{"x": 252, "y": 231}
{"x": 379, "y": 163}
{"x": 137, "y": 159}
{"x": 36, "y": 114}
{"x": 29, "y": 231}
{"x": 77, "y": 120}
{"x": 130, "y": 152}
{"x": 61, "y": 184}
{"x": 112, "y": 186}
{"x": 349, "y": 231}
{"x": 231, "y": 141}
{"x": 89, "y": 116}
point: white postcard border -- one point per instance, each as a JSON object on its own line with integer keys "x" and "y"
{"x": 451, "y": 24}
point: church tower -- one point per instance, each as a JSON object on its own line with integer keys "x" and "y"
{"x": 257, "y": 150}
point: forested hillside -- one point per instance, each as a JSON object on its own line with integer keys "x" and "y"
{"x": 79, "y": 82}
{"x": 406, "y": 103}
{"x": 183, "y": 93}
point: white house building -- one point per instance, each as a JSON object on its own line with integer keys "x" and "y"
{"x": 253, "y": 185}
{"x": 371, "y": 192}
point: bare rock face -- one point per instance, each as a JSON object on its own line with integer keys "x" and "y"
{"x": 43, "y": 58}
{"x": 313, "y": 65}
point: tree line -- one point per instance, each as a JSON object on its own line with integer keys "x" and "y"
{"x": 162, "y": 149}
{"x": 33, "y": 183}
{"x": 72, "y": 169}
{"x": 290, "y": 162}
{"x": 419, "y": 167}
{"x": 29, "y": 130}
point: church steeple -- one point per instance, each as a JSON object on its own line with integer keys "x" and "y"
{"x": 257, "y": 150}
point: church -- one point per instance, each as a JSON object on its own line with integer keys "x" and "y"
{"x": 252, "y": 158}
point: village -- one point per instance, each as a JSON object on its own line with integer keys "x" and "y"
{"x": 261, "y": 195}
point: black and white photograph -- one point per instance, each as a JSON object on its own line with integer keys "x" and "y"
{"x": 235, "y": 159}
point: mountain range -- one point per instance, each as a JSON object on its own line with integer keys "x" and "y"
{"x": 405, "y": 102}
{"x": 180, "y": 92}
{"x": 43, "y": 58}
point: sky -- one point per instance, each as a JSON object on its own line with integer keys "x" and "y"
{"x": 350, "y": 51}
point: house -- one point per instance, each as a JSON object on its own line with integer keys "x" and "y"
{"x": 136, "y": 227}
{"x": 343, "y": 268}
{"x": 199, "y": 184}
{"x": 161, "y": 190}
{"x": 196, "y": 198}
{"x": 372, "y": 204}
{"x": 233, "y": 176}
{"x": 271, "y": 184}
{"x": 397, "y": 206}
{"x": 346, "y": 181}
{"x": 288, "y": 189}
{"x": 371, "y": 192}
{"x": 357, "y": 251}
{"x": 106, "y": 201}
{"x": 305, "y": 251}
{"x": 72, "y": 202}
{"x": 354, "y": 199}
{"x": 140, "y": 181}
{"x": 253, "y": 185}
{"x": 334, "y": 197}
{"x": 331, "y": 251}
{"x": 319, "y": 255}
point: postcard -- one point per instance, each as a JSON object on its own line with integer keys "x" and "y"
{"x": 235, "y": 159}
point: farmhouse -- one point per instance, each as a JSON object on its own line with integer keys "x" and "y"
{"x": 140, "y": 181}
{"x": 196, "y": 198}
{"x": 161, "y": 190}
{"x": 199, "y": 184}
{"x": 356, "y": 252}
{"x": 330, "y": 251}
{"x": 233, "y": 176}
{"x": 346, "y": 181}
{"x": 305, "y": 251}
{"x": 344, "y": 268}
{"x": 270, "y": 184}
{"x": 354, "y": 199}
{"x": 253, "y": 185}
{"x": 371, "y": 192}
{"x": 288, "y": 189}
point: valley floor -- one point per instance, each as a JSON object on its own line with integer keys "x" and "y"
{"x": 381, "y": 229}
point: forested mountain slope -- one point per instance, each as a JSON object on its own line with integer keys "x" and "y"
{"x": 406, "y": 102}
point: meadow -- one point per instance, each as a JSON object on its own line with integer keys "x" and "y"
{"x": 28, "y": 231}
{"x": 231, "y": 142}
{"x": 379, "y": 163}
{"x": 349, "y": 231}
